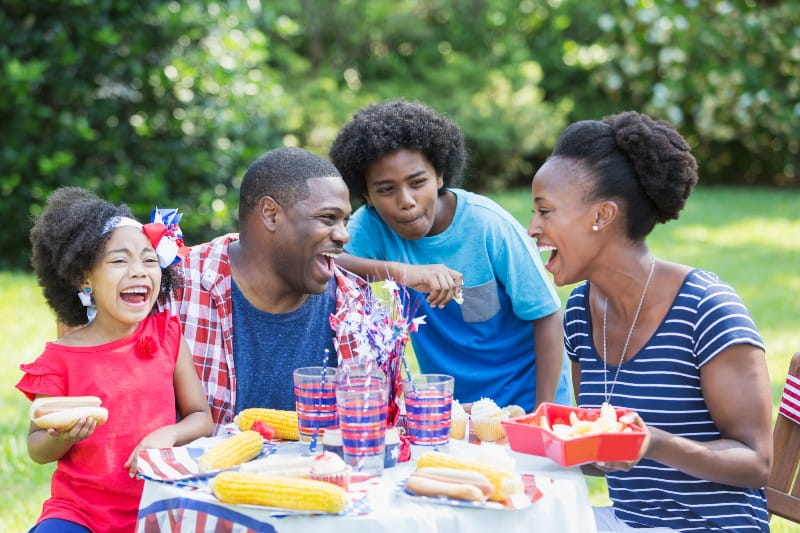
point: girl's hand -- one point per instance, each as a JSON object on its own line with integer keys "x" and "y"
{"x": 164, "y": 437}
{"x": 80, "y": 431}
{"x": 627, "y": 465}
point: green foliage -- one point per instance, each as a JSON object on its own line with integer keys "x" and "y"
{"x": 726, "y": 73}
{"x": 167, "y": 103}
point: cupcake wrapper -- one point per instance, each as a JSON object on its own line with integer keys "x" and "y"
{"x": 458, "y": 428}
{"x": 488, "y": 430}
{"x": 337, "y": 478}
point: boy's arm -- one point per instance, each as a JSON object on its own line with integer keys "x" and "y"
{"x": 549, "y": 349}
{"x": 442, "y": 284}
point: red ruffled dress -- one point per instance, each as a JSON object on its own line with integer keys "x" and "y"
{"x": 133, "y": 376}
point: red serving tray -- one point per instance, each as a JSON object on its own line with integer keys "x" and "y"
{"x": 525, "y": 435}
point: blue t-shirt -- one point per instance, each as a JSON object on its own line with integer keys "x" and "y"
{"x": 662, "y": 383}
{"x": 487, "y": 342}
{"x": 268, "y": 347}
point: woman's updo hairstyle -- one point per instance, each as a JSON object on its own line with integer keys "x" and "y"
{"x": 644, "y": 163}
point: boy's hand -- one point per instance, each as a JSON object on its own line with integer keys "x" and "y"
{"x": 441, "y": 283}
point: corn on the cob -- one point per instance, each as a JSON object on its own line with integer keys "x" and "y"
{"x": 284, "y": 422}
{"x": 276, "y": 491}
{"x": 231, "y": 452}
{"x": 506, "y": 483}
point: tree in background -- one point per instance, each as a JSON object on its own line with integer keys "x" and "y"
{"x": 165, "y": 102}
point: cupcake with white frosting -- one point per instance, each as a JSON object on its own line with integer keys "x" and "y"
{"x": 329, "y": 467}
{"x": 458, "y": 421}
{"x": 485, "y": 417}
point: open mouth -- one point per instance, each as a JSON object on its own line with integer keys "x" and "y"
{"x": 553, "y": 253}
{"x": 135, "y": 295}
{"x": 327, "y": 260}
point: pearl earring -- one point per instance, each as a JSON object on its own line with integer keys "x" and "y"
{"x": 595, "y": 227}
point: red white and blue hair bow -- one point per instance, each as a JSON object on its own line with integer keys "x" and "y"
{"x": 166, "y": 236}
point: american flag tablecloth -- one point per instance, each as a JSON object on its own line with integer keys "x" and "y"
{"x": 200, "y": 509}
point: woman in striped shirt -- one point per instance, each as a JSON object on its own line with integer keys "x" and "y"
{"x": 671, "y": 342}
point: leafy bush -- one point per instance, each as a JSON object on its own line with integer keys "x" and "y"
{"x": 150, "y": 102}
{"x": 726, "y": 73}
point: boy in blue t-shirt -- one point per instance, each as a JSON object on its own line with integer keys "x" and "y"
{"x": 493, "y": 318}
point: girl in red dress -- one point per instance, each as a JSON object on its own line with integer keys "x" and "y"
{"x": 102, "y": 271}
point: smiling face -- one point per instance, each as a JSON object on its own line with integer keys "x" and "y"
{"x": 404, "y": 189}
{"x": 126, "y": 280}
{"x": 312, "y": 232}
{"x": 563, "y": 218}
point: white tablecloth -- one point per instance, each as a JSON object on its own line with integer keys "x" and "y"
{"x": 563, "y": 508}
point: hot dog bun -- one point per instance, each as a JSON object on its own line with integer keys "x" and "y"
{"x": 63, "y": 412}
{"x": 451, "y": 475}
{"x": 424, "y": 486}
{"x": 450, "y": 483}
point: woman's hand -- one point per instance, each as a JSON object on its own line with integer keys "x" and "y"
{"x": 634, "y": 420}
{"x": 164, "y": 437}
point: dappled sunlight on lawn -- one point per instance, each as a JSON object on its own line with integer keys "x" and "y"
{"x": 778, "y": 234}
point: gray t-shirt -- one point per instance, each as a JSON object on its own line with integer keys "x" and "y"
{"x": 268, "y": 347}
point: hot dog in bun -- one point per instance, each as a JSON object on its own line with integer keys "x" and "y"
{"x": 63, "y": 412}
{"x": 450, "y": 483}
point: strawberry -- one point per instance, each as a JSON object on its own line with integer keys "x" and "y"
{"x": 264, "y": 429}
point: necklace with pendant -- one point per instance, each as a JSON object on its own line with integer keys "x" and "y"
{"x": 607, "y": 393}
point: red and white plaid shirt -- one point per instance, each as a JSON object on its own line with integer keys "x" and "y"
{"x": 205, "y": 309}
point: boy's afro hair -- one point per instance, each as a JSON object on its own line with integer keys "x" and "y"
{"x": 380, "y": 129}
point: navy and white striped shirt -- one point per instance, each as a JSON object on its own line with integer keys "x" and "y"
{"x": 662, "y": 384}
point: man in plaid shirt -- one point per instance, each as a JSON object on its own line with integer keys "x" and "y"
{"x": 279, "y": 276}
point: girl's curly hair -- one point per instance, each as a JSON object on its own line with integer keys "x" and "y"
{"x": 380, "y": 129}
{"x": 67, "y": 240}
{"x": 645, "y": 163}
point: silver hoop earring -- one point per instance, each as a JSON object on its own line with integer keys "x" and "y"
{"x": 595, "y": 227}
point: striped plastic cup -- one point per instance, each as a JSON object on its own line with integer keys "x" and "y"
{"x": 361, "y": 401}
{"x": 314, "y": 400}
{"x": 428, "y": 401}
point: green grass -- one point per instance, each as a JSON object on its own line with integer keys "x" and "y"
{"x": 26, "y": 324}
{"x": 749, "y": 237}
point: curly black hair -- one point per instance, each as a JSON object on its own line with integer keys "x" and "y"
{"x": 67, "y": 241}
{"x": 644, "y": 163}
{"x": 380, "y": 129}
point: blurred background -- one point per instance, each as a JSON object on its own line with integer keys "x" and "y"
{"x": 153, "y": 102}
{"x": 166, "y": 103}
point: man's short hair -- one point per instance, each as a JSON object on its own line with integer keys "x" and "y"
{"x": 282, "y": 174}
